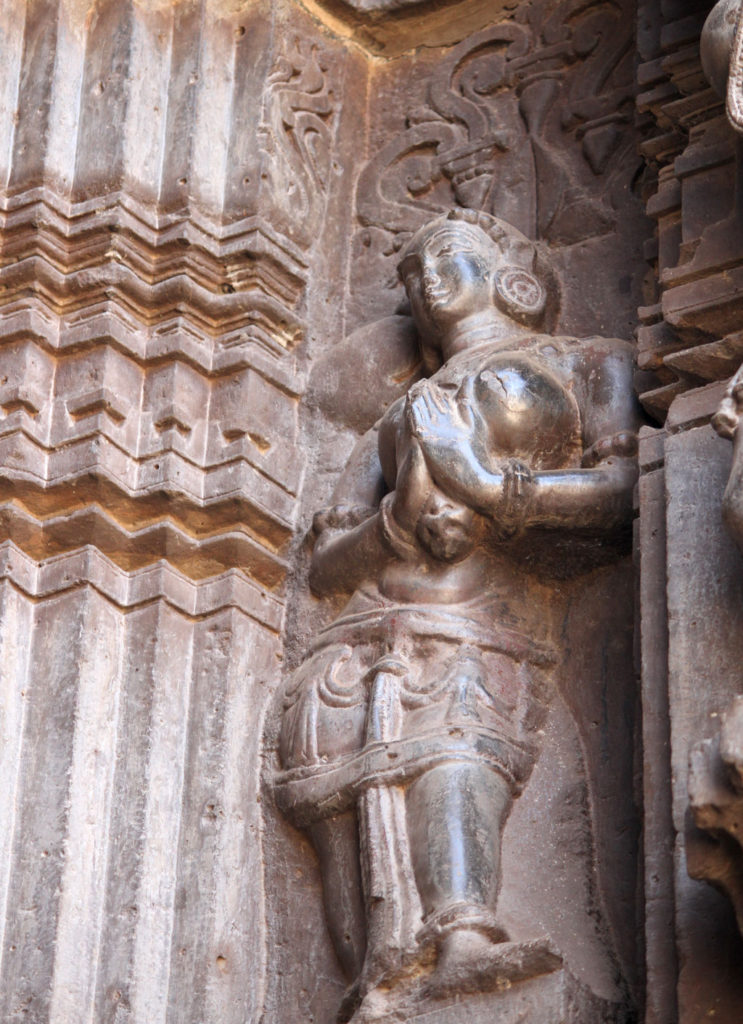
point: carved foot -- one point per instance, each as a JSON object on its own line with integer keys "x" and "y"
{"x": 471, "y": 962}
{"x": 378, "y": 1005}
{"x": 377, "y": 994}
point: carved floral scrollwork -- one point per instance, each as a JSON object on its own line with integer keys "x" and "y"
{"x": 519, "y": 121}
{"x": 296, "y": 136}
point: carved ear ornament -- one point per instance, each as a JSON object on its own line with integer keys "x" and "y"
{"x": 519, "y": 293}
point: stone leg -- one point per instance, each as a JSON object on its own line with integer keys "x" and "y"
{"x": 456, "y": 814}
{"x": 336, "y": 842}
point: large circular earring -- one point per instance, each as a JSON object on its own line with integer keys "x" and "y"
{"x": 519, "y": 293}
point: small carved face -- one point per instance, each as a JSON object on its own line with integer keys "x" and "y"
{"x": 449, "y": 276}
{"x": 446, "y": 529}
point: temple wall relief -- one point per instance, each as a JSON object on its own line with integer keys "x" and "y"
{"x": 688, "y": 348}
{"x": 475, "y": 126}
{"x": 348, "y": 668}
{"x": 167, "y": 173}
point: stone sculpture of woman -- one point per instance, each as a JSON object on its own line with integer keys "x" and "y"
{"x": 415, "y": 720}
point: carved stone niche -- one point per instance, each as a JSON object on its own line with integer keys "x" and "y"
{"x": 449, "y": 743}
{"x": 714, "y": 850}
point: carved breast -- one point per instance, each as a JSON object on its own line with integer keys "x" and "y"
{"x": 520, "y": 407}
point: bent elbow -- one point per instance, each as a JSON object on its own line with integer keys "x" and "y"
{"x": 321, "y": 575}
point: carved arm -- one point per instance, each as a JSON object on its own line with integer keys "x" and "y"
{"x": 344, "y": 557}
{"x": 597, "y": 496}
{"x": 355, "y": 541}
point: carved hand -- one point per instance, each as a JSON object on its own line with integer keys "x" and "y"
{"x": 435, "y": 417}
{"x": 444, "y": 430}
{"x": 411, "y": 490}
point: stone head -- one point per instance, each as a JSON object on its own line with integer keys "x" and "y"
{"x": 466, "y": 263}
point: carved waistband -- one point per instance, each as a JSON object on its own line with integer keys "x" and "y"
{"x": 310, "y": 793}
{"x": 434, "y": 622}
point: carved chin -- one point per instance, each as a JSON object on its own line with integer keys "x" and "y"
{"x": 436, "y": 302}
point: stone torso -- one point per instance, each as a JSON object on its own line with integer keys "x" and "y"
{"x": 510, "y": 390}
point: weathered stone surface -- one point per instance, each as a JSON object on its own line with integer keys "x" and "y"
{"x": 658, "y": 832}
{"x": 694, "y": 320}
{"x": 166, "y": 171}
{"x": 689, "y": 346}
{"x": 392, "y": 27}
{"x": 715, "y": 854}
{"x": 555, "y": 997}
{"x": 705, "y": 622}
{"x": 201, "y": 210}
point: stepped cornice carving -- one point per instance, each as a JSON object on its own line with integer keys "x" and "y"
{"x": 139, "y": 412}
{"x": 203, "y": 520}
{"x": 168, "y": 472}
{"x": 194, "y": 557}
{"x": 239, "y": 284}
{"x": 171, "y": 340}
{"x": 691, "y": 333}
{"x": 87, "y": 566}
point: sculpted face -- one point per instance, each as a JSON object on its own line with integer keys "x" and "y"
{"x": 446, "y": 528}
{"x": 448, "y": 275}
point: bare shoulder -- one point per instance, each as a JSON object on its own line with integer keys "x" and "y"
{"x": 598, "y": 351}
{"x": 592, "y": 348}
{"x": 602, "y": 371}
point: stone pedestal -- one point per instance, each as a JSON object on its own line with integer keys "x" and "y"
{"x": 556, "y": 998}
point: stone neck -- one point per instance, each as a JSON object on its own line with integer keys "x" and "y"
{"x": 480, "y": 329}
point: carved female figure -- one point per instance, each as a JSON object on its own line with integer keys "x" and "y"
{"x": 415, "y": 720}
